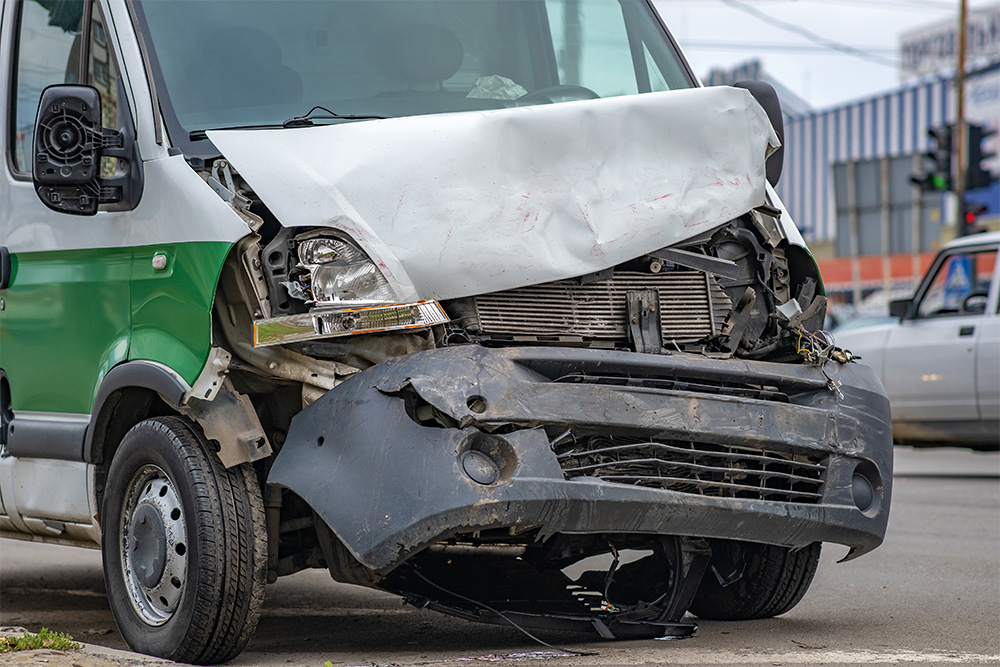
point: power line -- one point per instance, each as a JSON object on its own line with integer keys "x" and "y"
{"x": 811, "y": 36}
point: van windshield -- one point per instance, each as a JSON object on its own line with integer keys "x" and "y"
{"x": 237, "y": 63}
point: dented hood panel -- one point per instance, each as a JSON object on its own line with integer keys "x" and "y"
{"x": 460, "y": 204}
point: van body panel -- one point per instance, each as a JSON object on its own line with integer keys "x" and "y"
{"x": 97, "y": 300}
{"x": 73, "y": 304}
{"x": 49, "y": 489}
{"x": 172, "y": 307}
{"x": 177, "y": 206}
{"x": 453, "y": 205}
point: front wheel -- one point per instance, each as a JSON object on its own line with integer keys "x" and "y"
{"x": 184, "y": 545}
{"x": 745, "y": 580}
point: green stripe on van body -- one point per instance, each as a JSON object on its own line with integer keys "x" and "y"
{"x": 65, "y": 323}
{"x": 71, "y": 316}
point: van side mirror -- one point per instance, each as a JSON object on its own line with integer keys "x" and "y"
{"x": 69, "y": 144}
{"x": 767, "y": 97}
{"x": 900, "y": 307}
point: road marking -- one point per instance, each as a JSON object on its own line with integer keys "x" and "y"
{"x": 829, "y": 657}
{"x": 741, "y": 657}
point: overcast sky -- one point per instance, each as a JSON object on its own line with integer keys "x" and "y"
{"x": 822, "y": 77}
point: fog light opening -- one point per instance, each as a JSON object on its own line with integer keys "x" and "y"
{"x": 480, "y": 468}
{"x": 864, "y": 494}
{"x": 487, "y": 459}
{"x": 476, "y": 404}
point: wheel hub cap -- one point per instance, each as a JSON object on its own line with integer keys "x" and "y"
{"x": 149, "y": 545}
{"x": 153, "y": 542}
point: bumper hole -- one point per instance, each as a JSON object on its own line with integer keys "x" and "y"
{"x": 864, "y": 494}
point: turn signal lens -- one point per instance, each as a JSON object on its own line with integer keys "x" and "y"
{"x": 347, "y": 322}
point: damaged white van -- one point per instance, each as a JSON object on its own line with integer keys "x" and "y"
{"x": 443, "y": 296}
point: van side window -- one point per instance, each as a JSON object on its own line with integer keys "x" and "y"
{"x": 47, "y": 52}
{"x": 960, "y": 286}
{"x": 102, "y": 73}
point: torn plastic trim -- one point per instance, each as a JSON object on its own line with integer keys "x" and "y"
{"x": 329, "y": 459}
{"x": 208, "y": 383}
{"x": 644, "y": 597}
{"x": 230, "y": 420}
{"x": 222, "y": 180}
{"x": 226, "y": 416}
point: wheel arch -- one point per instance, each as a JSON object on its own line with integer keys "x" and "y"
{"x": 130, "y": 392}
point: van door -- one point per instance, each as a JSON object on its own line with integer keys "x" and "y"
{"x": 66, "y": 315}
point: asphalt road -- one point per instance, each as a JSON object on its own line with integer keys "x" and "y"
{"x": 930, "y": 594}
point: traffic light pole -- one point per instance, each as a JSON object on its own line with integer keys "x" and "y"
{"x": 960, "y": 138}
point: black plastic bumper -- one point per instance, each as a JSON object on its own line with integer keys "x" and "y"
{"x": 389, "y": 486}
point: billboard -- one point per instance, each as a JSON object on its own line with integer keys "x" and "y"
{"x": 935, "y": 48}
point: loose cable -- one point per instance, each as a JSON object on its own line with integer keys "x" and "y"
{"x": 503, "y": 616}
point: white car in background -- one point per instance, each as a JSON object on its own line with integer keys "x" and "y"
{"x": 940, "y": 361}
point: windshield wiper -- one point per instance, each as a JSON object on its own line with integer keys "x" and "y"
{"x": 308, "y": 119}
{"x": 197, "y": 135}
{"x": 295, "y": 121}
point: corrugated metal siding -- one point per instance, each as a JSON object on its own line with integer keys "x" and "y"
{"x": 888, "y": 125}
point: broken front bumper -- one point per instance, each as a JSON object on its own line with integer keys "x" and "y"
{"x": 585, "y": 441}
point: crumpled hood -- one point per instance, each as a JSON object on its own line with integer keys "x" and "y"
{"x": 459, "y": 204}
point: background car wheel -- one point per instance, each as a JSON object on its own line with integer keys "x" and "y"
{"x": 184, "y": 545}
{"x": 746, "y": 580}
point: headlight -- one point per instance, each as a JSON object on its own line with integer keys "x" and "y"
{"x": 347, "y": 295}
{"x": 338, "y": 274}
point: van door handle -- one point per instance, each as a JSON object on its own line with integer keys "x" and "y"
{"x": 966, "y": 331}
{"x": 4, "y": 267}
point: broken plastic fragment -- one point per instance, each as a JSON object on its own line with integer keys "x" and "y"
{"x": 790, "y": 309}
{"x": 296, "y": 291}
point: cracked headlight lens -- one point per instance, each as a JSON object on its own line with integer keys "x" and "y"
{"x": 340, "y": 274}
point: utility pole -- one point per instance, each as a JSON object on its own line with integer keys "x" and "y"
{"x": 960, "y": 137}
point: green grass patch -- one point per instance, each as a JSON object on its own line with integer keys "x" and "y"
{"x": 58, "y": 641}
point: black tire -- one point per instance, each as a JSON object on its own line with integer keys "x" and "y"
{"x": 193, "y": 540}
{"x": 761, "y": 580}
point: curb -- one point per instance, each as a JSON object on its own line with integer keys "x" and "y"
{"x": 88, "y": 655}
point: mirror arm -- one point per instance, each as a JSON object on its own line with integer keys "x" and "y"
{"x": 125, "y": 187}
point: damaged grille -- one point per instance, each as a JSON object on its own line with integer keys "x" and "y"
{"x": 696, "y": 468}
{"x": 700, "y": 386}
{"x": 693, "y": 307}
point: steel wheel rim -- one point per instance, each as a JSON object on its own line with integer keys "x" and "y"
{"x": 153, "y": 555}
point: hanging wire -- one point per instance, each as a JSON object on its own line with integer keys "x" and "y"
{"x": 503, "y": 616}
{"x": 811, "y": 36}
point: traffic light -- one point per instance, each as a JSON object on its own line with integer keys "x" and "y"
{"x": 970, "y": 212}
{"x": 937, "y": 178}
{"x": 977, "y": 175}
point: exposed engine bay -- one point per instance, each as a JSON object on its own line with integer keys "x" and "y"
{"x": 519, "y": 406}
{"x": 602, "y": 451}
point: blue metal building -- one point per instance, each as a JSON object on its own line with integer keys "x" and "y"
{"x": 888, "y": 125}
